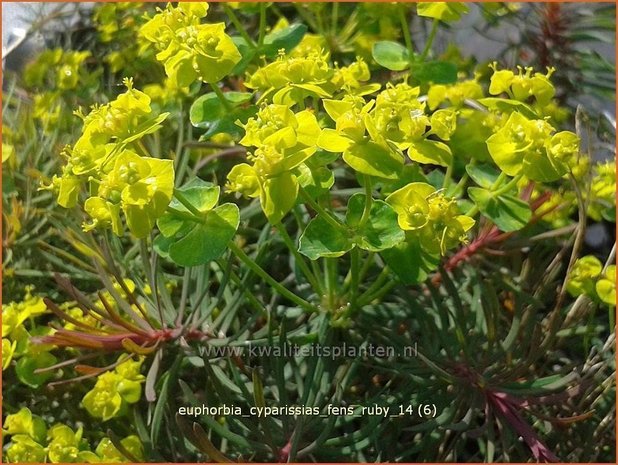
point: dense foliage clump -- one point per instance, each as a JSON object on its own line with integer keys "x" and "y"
{"x": 272, "y": 176}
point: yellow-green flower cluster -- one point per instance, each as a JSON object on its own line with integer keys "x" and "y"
{"x": 166, "y": 93}
{"x": 54, "y": 76}
{"x": 587, "y": 277}
{"x": 111, "y": 19}
{"x": 431, "y": 216}
{"x": 283, "y": 141}
{"x": 306, "y": 71}
{"x": 141, "y": 186}
{"x": 291, "y": 79}
{"x": 190, "y": 50}
{"x": 48, "y": 109}
{"x": 8, "y": 148}
{"x": 15, "y": 336}
{"x": 556, "y": 210}
{"x": 32, "y": 442}
{"x": 352, "y": 79}
{"x": 603, "y": 192}
{"x": 373, "y": 135}
{"x": 106, "y": 451}
{"x": 115, "y": 390}
{"x": 364, "y": 148}
{"x": 118, "y": 24}
{"x": 119, "y": 179}
{"x": 523, "y": 86}
{"x": 400, "y": 117}
{"x": 28, "y": 434}
{"x": 376, "y": 21}
{"x": 532, "y": 148}
{"x": 456, "y": 94}
{"x": 310, "y": 43}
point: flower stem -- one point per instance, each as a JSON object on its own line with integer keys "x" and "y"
{"x": 498, "y": 188}
{"x": 368, "y": 201}
{"x": 432, "y": 36}
{"x": 355, "y": 271}
{"x": 368, "y": 298}
{"x": 447, "y": 176}
{"x": 239, "y": 27}
{"x": 221, "y": 96}
{"x": 378, "y": 284}
{"x": 334, "y": 18}
{"x": 405, "y": 26}
{"x": 188, "y": 205}
{"x": 300, "y": 261}
{"x": 184, "y": 215}
{"x": 258, "y": 270}
{"x": 262, "y": 32}
{"x": 332, "y": 271}
{"x": 320, "y": 211}
{"x": 508, "y": 186}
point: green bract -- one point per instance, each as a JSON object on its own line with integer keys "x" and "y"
{"x": 583, "y": 275}
{"x": 31, "y": 442}
{"x": 588, "y": 278}
{"x": 8, "y": 349}
{"x": 196, "y": 230}
{"x": 373, "y": 231}
{"x": 64, "y": 444}
{"x": 290, "y": 80}
{"x": 27, "y": 365}
{"x": 106, "y": 452}
{"x": 210, "y": 113}
{"x": 603, "y": 192}
{"x": 18, "y": 326}
{"x": 24, "y": 449}
{"x": 455, "y": 94}
{"x": 25, "y": 423}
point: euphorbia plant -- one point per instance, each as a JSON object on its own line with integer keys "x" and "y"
{"x": 371, "y": 179}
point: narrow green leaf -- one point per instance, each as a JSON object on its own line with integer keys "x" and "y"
{"x": 381, "y": 231}
{"x": 322, "y": 239}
